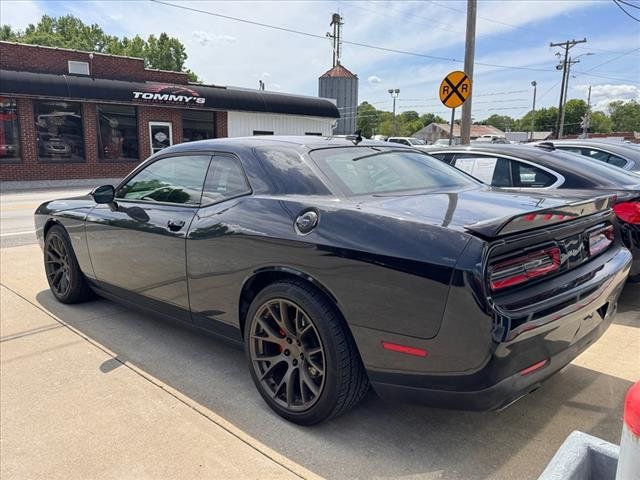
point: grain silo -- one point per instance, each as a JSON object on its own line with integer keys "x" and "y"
{"x": 340, "y": 84}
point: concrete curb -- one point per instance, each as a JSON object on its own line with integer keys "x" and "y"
{"x": 583, "y": 457}
{"x": 52, "y": 184}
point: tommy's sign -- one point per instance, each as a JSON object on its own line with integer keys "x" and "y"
{"x": 169, "y": 94}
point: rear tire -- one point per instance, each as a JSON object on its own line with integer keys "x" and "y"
{"x": 66, "y": 280}
{"x": 313, "y": 372}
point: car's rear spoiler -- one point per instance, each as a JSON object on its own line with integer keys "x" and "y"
{"x": 541, "y": 218}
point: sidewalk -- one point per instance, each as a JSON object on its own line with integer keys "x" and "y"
{"x": 56, "y": 184}
{"x": 70, "y": 409}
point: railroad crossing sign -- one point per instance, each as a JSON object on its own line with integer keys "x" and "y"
{"x": 455, "y": 89}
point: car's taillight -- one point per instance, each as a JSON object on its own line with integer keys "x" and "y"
{"x": 628, "y": 212}
{"x": 522, "y": 269}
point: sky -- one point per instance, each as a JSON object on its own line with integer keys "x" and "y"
{"x": 512, "y": 46}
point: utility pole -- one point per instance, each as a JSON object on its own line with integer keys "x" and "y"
{"x": 533, "y": 109}
{"x": 587, "y": 117}
{"x": 394, "y": 92}
{"x": 565, "y": 80}
{"x": 469, "y": 56}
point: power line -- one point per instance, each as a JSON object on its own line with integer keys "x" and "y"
{"x": 629, "y": 4}
{"x": 357, "y": 44}
{"x": 619, "y": 5}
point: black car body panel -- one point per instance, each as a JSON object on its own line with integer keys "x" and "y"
{"x": 400, "y": 267}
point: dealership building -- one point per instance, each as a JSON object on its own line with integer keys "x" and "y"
{"x": 67, "y": 114}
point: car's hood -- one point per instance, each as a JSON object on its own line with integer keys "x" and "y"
{"x": 465, "y": 208}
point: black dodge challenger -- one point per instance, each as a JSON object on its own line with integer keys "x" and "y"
{"x": 341, "y": 264}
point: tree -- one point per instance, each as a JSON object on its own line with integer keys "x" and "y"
{"x": 600, "y": 123}
{"x": 625, "y": 116}
{"x": 575, "y": 110}
{"x": 367, "y": 120}
{"x": 429, "y": 118}
{"x": 162, "y": 52}
{"x": 503, "y": 122}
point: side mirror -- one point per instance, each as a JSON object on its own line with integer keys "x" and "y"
{"x": 103, "y": 194}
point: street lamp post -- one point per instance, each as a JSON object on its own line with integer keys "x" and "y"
{"x": 533, "y": 109}
{"x": 394, "y": 92}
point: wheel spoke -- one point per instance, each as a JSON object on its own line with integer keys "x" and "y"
{"x": 313, "y": 351}
{"x": 308, "y": 381}
{"x": 315, "y": 365}
{"x": 290, "y": 384}
{"x": 303, "y": 395}
{"x": 57, "y": 279}
{"x": 269, "y": 370}
{"x": 271, "y": 333}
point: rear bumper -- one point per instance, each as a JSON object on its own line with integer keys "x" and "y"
{"x": 557, "y": 339}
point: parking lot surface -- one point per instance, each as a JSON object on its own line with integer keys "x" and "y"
{"x": 99, "y": 391}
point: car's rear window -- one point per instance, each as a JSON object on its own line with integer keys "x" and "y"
{"x": 369, "y": 170}
{"x": 604, "y": 174}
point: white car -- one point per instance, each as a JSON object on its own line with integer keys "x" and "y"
{"x": 410, "y": 141}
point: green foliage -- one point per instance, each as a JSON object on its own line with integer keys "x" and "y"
{"x": 162, "y": 52}
{"x": 503, "y": 122}
{"x": 600, "y": 123}
{"x": 575, "y": 109}
{"x": 625, "y": 116}
{"x": 372, "y": 121}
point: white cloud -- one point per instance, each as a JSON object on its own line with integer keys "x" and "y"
{"x": 373, "y": 80}
{"x": 204, "y": 38}
{"x": 19, "y": 14}
{"x": 603, "y": 95}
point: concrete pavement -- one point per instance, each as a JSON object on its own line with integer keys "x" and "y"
{"x": 98, "y": 391}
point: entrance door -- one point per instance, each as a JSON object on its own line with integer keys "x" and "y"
{"x": 160, "y": 136}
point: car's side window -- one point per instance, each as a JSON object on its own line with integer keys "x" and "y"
{"x": 493, "y": 171}
{"x": 168, "y": 180}
{"x": 225, "y": 179}
{"x": 528, "y": 176}
{"x": 617, "y": 161}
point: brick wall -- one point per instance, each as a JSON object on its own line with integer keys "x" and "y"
{"x": 221, "y": 125}
{"x": 157, "y": 114}
{"x": 33, "y": 58}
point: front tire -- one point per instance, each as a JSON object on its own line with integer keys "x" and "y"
{"x": 66, "y": 280}
{"x": 301, "y": 355}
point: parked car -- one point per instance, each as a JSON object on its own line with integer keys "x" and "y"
{"x": 52, "y": 146}
{"x": 490, "y": 139}
{"x": 525, "y": 167}
{"x": 619, "y": 154}
{"x": 443, "y": 142}
{"x": 340, "y": 264}
{"x": 409, "y": 141}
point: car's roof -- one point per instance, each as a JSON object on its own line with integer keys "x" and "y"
{"x": 611, "y": 145}
{"x": 308, "y": 142}
{"x": 560, "y": 161}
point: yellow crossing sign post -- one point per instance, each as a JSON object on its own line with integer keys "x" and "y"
{"x": 454, "y": 91}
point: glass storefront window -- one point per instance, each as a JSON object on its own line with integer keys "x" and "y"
{"x": 197, "y": 125}
{"x": 59, "y": 126}
{"x": 118, "y": 132}
{"x": 9, "y": 132}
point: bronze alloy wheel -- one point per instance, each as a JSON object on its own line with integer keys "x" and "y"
{"x": 57, "y": 265}
{"x": 287, "y": 354}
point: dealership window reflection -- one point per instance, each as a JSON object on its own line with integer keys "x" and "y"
{"x": 9, "y": 136}
{"x": 59, "y": 126}
{"x": 118, "y": 136}
{"x": 197, "y": 125}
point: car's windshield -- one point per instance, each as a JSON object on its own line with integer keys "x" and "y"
{"x": 366, "y": 170}
{"x": 416, "y": 141}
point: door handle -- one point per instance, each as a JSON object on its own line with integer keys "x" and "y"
{"x": 175, "y": 225}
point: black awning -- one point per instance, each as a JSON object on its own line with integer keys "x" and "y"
{"x": 219, "y": 98}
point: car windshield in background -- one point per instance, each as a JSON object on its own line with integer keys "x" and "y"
{"x": 417, "y": 141}
{"x": 364, "y": 170}
{"x": 604, "y": 171}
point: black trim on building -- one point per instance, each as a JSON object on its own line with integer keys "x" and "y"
{"x": 203, "y": 97}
